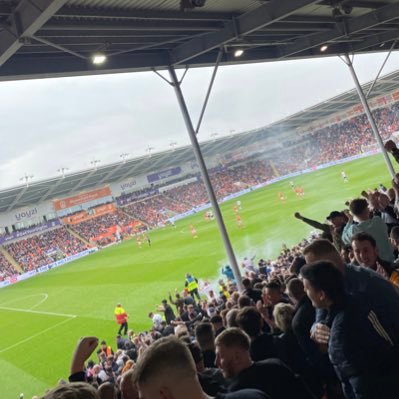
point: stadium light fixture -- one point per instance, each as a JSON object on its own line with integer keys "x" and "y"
{"x": 149, "y": 149}
{"x": 324, "y": 48}
{"x": 95, "y": 162}
{"x": 98, "y": 59}
{"x": 26, "y": 179}
{"x": 124, "y": 156}
{"x": 238, "y": 53}
{"x": 62, "y": 171}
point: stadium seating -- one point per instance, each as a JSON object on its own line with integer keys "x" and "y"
{"x": 6, "y": 268}
{"x": 45, "y": 248}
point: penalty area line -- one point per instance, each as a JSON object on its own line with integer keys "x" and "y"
{"x": 38, "y": 312}
{"x": 36, "y": 335}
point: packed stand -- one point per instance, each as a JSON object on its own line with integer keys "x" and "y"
{"x": 320, "y": 321}
{"x": 155, "y": 210}
{"x": 6, "y": 268}
{"x": 96, "y": 226}
{"x": 43, "y": 249}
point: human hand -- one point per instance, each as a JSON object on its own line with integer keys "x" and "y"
{"x": 364, "y": 194}
{"x": 320, "y": 333}
{"x": 390, "y": 146}
{"x": 395, "y": 182}
{"x": 348, "y": 215}
{"x": 83, "y": 351}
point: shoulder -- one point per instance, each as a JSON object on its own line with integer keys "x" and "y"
{"x": 243, "y": 394}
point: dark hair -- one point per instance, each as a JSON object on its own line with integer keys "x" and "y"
{"x": 244, "y": 301}
{"x": 295, "y": 288}
{"x": 395, "y": 233}
{"x": 297, "y": 264}
{"x": 364, "y": 237}
{"x": 249, "y": 320}
{"x": 324, "y": 276}
{"x": 195, "y": 352}
{"x": 246, "y": 282}
{"x": 216, "y": 319}
{"x": 274, "y": 285}
{"x": 358, "y": 205}
{"x": 204, "y": 334}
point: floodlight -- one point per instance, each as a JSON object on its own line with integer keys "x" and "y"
{"x": 323, "y": 48}
{"x": 98, "y": 59}
{"x": 238, "y": 53}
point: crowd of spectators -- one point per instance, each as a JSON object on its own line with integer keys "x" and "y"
{"x": 320, "y": 321}
{"x": 156, "y": 210}
{"x": 6, "y": 268}
{"x": 96, "y": 226}
{"x": 44, "y": 248}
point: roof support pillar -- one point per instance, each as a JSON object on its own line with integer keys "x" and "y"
{"x": 204, "y": 172}
{"x": 367, "y": 110}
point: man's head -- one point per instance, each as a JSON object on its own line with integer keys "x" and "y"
{"x": 167, "y": 370}
{"x": 205, "y": 336}
{"x": 365, "y": 250}
{"x": 283, "y": 313}
{"x": 217, "y": 322}
{"x": 359, "y": 208}
{"x": 394, "y": 237}
{"x": 151, "y": 315}
{"x": 250, "y": 321}
{"x": 272, "y": 293}
{"x": 232, "y": 352}
{"x": 337, "y": 219}
{"x": 127, "y": 385}
{"x": 76, "y": 390}
{"x": 324, "y": 284}
{"x": 244, "y": 301}
{"x": 295, "y": 290}
{"x": 246, "y": 282}
{"x": 231, "y": 318}
{"x": 323, "y": 250}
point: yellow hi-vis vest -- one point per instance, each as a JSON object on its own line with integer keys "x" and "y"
{"x": 192, "y": 284}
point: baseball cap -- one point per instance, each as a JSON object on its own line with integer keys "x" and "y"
{"x": 334, "y": 214}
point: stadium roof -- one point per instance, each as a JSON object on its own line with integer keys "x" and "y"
{"x": 58, "y": 187}
{"x": 47, "y": 38}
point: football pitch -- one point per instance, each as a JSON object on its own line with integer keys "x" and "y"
{"x": 43, "y": 317}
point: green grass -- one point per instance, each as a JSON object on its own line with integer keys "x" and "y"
{"x": 35, "y": 347}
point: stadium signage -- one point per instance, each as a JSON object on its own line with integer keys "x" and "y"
{"x": 26, "y": 214}
{"x": 128, "y": 184}
{"x": 31, "y": 273}
{"x": 79, "y": 199}
{"x": 135, "y": 196}
{"x": 32, "y": 230}
{"x": 163, "y": 174}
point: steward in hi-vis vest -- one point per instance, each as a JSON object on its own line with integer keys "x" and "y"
{"x": 192, "y": 286}
{"x": 121, "y": 318}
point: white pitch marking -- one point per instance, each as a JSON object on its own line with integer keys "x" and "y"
{"x": 23, "y": 297}
{"x": 40, "y": 302}
{"x": 35, "y": 335}
{"x": 38, "y": 312}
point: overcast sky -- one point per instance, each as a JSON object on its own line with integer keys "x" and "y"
{"x": 67, "y": 122}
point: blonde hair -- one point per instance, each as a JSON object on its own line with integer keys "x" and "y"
{"x": 76, "y": 390}
{"x": 283, "y": 314}
{"x": 165, "y": 355}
